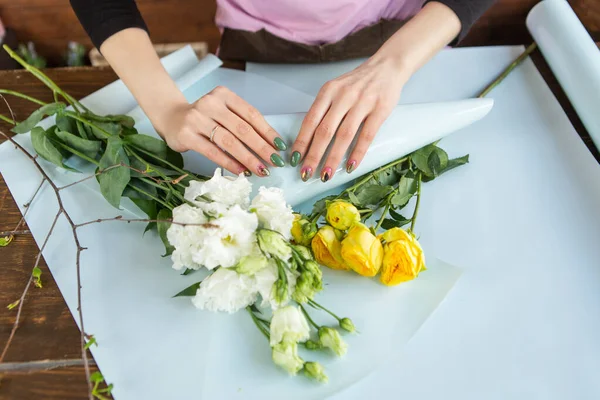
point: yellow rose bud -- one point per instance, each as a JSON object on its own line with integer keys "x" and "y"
{"x": 361, "y": 251}
{"x": 342, "y": 215}
{"x": 326, "y": 247}
{"x": 303, "y": 230}
{"x": 403, "y": 257}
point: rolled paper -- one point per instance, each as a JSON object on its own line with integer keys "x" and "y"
{"x": 573, "y": 57}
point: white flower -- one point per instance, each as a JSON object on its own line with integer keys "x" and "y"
{"x": 285, "y": 355}
{"x": 289, "y": 324}
{"x": 272, "y": 210}
{"x": 225, "y": 290}
{"x": 252, "y": 263}
{"x": 229, "y": 238}
{"x": 186, "y": 238}
{"x": 221, "y": 189}
{"x": 266, "y": 278}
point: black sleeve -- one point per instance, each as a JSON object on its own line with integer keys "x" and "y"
{"x": 103, "y": 18}
{"x": 468, "y": 12}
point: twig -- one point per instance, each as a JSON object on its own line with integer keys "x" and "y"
{"x": 92, "y": 176}
{"x": 14, "y": 232}
{"x": 42, "y": 365}
{"x": 129, "y": 220}
{"x": 61, "y": 210}
{"x": 508, "y": 70}
{"x": 12, "y": 115}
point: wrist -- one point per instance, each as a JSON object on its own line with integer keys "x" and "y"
{"x": 395, "y": 61}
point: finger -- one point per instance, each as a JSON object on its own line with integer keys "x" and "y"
{"x": 366, "y": 136}
{"x": 202, "y": 145}
{"x": 310, "y": 123}
{"x": 343, "y": 138}
{"x": 248, "y": 136}
{"x": 255, "y": 119}
{"x": 232, "y": 145}
{"x": 321, "y": 139}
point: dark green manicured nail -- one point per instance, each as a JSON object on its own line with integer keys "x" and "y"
{"x": 295, "y": 158}
{"x": 277, "y": 160}
{"x": 280, "y": 144}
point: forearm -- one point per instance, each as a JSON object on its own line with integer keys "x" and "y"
{"x": 132, "y": 56}
{"x": 433, "y": 28}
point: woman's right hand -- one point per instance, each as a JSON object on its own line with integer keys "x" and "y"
{"x": 237, "y": 130}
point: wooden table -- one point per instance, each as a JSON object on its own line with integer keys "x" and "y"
{"x": 47, "y": 331}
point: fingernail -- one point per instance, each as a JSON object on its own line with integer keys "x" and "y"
{"x": 280, "y": 144}
{"x": 350, "y": 166}
{"x": 277, "y": 160}
{"x": 295, "y": 158}
{"x": 306, "y": 173}
{"x": 264, "y": 171}
{"x": 247, "y": 173}
{"x": 325, "y": 174}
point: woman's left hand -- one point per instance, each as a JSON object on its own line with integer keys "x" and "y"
{"x": 366, "y": 95}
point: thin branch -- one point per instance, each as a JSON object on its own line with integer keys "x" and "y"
{"x": 12, "y": 114}
{"x": 120, "y": 218}
{"x": 26, "y": 205}
{"x": 41, "y": 365}
{"x": 91, "y": 176}
{"x": 13, "y": 232}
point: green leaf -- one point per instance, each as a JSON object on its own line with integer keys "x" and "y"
{"x": 162, "y": 228}
{"x": 152, "y": 145}
{"x": 113, "y": 129}
{"x": 37, "y": 276}
{"x": 174, "y": 157}
{"x": 353, "y": 199}
{"x": 437, "y": 161}
{"x": 44, "y": 147}
{"x": 66, "y": 124}
{"x": 5, "y": 241}
{"x": 149, "y": 227}
{"x": 455, "y": 162}
{"x": 114, "y": 181}
{"x": 36, "y": 116}
{"x": 120, "y": 119}
{"x": 90, "y": 148}
{"x": 84, "y": 131}
{"x": 407, "y": 187}
{"x": 129, "y": 131}
{"x": 144, "y": 190}
{"x": 389, "y": 223}
{"x": 188, "y": 271}
{"x": 13, "y": 304}
{"x": 96, "y": 377}
{"x": 372, "y": 194}
{"x": 90, "y": 342}
{"x": 388, "y": 176}
{"x": 149, "y": 170}
{"x": 420, "y": 158}
{"x": 190, "y": 290}
{"x": 398, "y": 217}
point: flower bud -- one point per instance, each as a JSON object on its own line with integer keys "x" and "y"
{"x": 313, "y": 268}
{"x": 312, "y": 345}
{"x": 342, "y": 215}
{"x": 314, "y": 370}
{"x": 303, "y": 230}
{"x": 273, "y": 243}
{"x": 304, "y": 289}
{"x": 403, "y": 257}
{"x": 362, "y": 251}
{"x": 347, "y": 325}
{"x": 285, "y": 356}
{"x": 249, "y": 265}
{"x": 280, "y": 292}
{"x": 330, "y": 338}
{"x": 304, "y": 252}
{"x": 327, "y": 248}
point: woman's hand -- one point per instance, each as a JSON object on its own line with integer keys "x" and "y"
{"x": 366, "y": 95}
{"x": 225, "y": 129}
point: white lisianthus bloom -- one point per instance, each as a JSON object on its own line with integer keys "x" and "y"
{"x": 226, "y": 291}
{"x": 266, "y": 278}
{"x": 185, "y": 239}
{"x": 252, "y": 263}
{"x": 229, "y": 238}
{"x": 289, "y": 324}
{"x": 273, "y": 211}
{"x": 285, "y": 355}
{"x": 221, "y": 189}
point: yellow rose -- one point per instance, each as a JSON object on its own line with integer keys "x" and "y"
{"x": 303, "y": 230}
{"x": 342, "y": 215}
{"x": 403, "y": 257}
{"x": 361, "y": 251}
{"x": 326, "y": 247}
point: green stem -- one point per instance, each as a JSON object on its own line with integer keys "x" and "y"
{"x": 313, "y": 323}
{"x": 77, "y": 117}
{"x": 173, "y": 167}
{"x": 23, "y": 96}
{"x": 257, "y": 323}
{"x": 75, "y": 152}
{"x": 317, "y": 305}
{"x": 7, "y": 120}
{"x": 508, "y": 70}
{"x": 170, "y": 207}
{"x": 385, "y": 211}
{"x": 414, "y": 217}
{"x": 372, "y": 174}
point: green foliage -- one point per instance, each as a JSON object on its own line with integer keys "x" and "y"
{"x": 43, "y": 146}
{"x": 37, "y": 277}
{"x": 114, "y": 181}
{"x": 152, "y": 145}
{"x": 5, "y": 241}
{"x": 90, "y": 148}
{"x": 163, "y": 226}
{"x": 36, "y": 116}
{"x": 190, "y": 290}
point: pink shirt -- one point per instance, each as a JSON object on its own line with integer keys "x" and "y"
{"x": 311, "y": 22}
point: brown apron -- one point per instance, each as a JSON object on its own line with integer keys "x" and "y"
{"x": 264, "y": 47}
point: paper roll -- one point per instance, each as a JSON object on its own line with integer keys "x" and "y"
{"x": 573, "y": 57}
